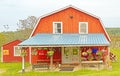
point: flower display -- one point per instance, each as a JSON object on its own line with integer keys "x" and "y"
{"x": 84, "y": 53}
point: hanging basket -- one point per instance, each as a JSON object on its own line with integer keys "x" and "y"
{"x": 34, "y": 52}
{"x": 50, "y": 53}
{"x": 23, "y": 53}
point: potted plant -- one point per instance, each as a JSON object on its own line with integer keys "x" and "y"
{"x": 89, "y": 51}
{"x": 50, "y": 54}
{"x": 99, "y": 55}
{"x": 23, "y": 52}
{"x": 34, "y": 52}
{"x": 90, "y": 57}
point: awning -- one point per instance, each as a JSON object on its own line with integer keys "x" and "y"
{"x": 66, "y": 39}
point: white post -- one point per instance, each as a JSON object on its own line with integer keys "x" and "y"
{"x": 23, "y": 64}
{"x": 30, "y": 55}
{"x": 1, "y": 54}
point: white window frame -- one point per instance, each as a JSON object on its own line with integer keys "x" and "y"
{"x": 86, "y": 27}
{"x": 54, "y": 27}
{"x": 14, "y": 50}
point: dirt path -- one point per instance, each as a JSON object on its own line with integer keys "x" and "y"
{"x": 2, "y": 71}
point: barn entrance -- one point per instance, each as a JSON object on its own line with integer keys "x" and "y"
{"x": 70, "y": 55}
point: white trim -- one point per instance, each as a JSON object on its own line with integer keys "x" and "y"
{"x": 14, "y": 50}
{"x": 35, "y": 27}
{"x": 86, "y": 27}
{"x": 104, "y": 29}
{"x": 58, "y": 11}
{"x": 30, "y": 55}
{"x": 1, "y": 54}
{"x": 54, "y": 27}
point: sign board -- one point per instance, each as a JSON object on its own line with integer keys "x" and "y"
{"x": 5, "y": 52}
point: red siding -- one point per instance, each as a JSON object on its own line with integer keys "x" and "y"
{"x": 45, "y": 25}
{"x": 42, "y": 56}
{"x": 11, "y": 57}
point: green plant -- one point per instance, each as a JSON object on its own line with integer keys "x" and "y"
{"x": 34, "y": 52}
{"x": 99, "y": 55}
{"x": 90, "y": 57}
{"x": 89, "y": 51}
{"x": 50, "y": 53}
{"x": 75, "y": 51}
{"x": 23, "y": 52}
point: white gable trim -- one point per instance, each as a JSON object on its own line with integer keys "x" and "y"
{"x": 35, "y": 27}
{"x": 66, "y": 8}
{"x": 104, "y": 29}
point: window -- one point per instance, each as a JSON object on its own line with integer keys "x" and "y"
{"x": 57, "y": 27}
{"x": 83, "y": 27}
{"x": 75, "y": 51}
{"x": 17, "y": 51}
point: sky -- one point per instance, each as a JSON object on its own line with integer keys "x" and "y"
{"x": 11, "y": 11}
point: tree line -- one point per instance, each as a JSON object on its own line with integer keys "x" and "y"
{"x": 24, "y": 30}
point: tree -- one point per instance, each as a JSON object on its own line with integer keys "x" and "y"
{"x": 3, "y": 39}
{"x": 26, "y": 26}
{"x": 28, "y": 23}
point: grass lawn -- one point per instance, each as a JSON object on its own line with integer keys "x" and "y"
{"x": 13, "y": 68}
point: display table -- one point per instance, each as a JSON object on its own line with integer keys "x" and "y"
{"x": 88, "y": 63}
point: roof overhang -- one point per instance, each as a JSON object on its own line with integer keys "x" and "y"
{"x": 65, "y": 40}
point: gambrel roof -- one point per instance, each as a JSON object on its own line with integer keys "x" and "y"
{"x": 70, "y": 6}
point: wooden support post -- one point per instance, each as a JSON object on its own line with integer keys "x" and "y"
{"x": 108, "y": 58}
{"x": 51, "y": 63}
{"x": 80, "y": 56}
{"x": 30, "y": 55}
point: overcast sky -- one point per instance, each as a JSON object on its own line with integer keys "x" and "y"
{"x": 11, "y": 11}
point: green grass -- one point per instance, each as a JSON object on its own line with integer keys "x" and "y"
{"x": 13, "y": 68}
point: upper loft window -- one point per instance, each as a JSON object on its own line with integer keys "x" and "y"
{"x": 83, "y": 27}
{"x": 57, "y": 27}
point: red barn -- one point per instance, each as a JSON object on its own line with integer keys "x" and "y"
{"x": 10, "y": 52}
{"x": 75, "y": 36}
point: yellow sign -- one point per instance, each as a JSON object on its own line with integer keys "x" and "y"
{"x": 5, "y": 52}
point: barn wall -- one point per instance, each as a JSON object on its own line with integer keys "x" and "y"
{"x": 70, "y": 25}
{"x": 10, "y": 57}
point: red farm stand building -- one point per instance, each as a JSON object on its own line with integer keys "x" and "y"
{"x": 75, "y": 36}
{"x": 10, "y": 53}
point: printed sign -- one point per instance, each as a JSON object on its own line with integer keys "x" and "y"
{"x": 5, "y": 52}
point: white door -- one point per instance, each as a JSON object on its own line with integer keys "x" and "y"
{"x": 70, "y": 55}
{"x": 75, "y": 55}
